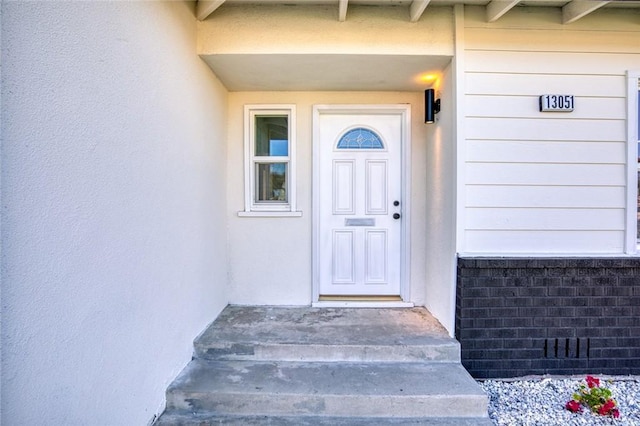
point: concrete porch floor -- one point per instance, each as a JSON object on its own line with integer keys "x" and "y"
{"x": 394, "y": 329}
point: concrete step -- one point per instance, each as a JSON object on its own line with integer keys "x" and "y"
{"x": 190, "y": 419}
{"x": 326, "y": 335}
{"x": 348, "y": 389}
{"x": 323, "y": 366}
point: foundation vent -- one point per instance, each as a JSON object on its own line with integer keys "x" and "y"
{"x": 567, "y": 347}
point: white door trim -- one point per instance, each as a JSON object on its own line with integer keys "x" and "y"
{"x": 404, "y": 111}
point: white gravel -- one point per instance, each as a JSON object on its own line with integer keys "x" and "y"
{"x": 540, "y": 401}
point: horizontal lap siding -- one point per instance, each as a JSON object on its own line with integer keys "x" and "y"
{"x": 546, "y": 129}
{"x": 526, "y": 106}
{"x": 531, "y": 62}
{"x": 546, "y": 182}
{"x": 546, "y": 174}
{"x": 511, "y": 241}
{"x": 538, "y": 196}
{"x": 545, "y": 219}
{"x": 571, "y": 152}
{"x": 523, "y": 85}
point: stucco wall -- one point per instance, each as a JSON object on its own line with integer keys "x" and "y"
{"x": 270, "y": 258}
{"x": 546, "y": 182}
{"x": 439, "y": 190}
{"x": 113, "y": 207}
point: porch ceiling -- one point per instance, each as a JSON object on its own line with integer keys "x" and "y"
{"x": 326, "y": 72}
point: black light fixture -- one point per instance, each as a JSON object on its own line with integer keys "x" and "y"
{"x": 431, "y": 106}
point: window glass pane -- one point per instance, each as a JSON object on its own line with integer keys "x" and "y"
{"x": 272, "y": 135}
{"x": 360, "y": 138}
{"x": 271, "y": 182}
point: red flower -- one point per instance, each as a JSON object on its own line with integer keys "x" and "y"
{"x": 615, "y": 413}
{"x": 573, "y": 406}
{"x": 593, "y": 382}
{"x": 607, "y": 407}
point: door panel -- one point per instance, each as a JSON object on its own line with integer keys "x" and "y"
{"x": 343, "y": 271}
{"x": 376, "y": 260}
{"x": 344, "y": 190}
{"x": 376, "y": 187}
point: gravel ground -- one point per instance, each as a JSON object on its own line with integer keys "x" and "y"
{"x": 540, "y": 401}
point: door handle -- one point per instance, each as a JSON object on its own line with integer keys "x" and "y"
{"x": 396, "y": 216}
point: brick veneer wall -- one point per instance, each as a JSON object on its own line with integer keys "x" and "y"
{"x": 516, "y": 317}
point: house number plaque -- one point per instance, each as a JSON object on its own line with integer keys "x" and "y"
{"x": 556, "y": 103}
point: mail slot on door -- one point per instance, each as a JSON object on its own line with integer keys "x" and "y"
{"x": 360, "y": 222}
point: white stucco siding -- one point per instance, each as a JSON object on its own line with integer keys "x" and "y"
{"x": 539, "y": 182}
{"x": 113, "y": 208}
{"x": 271, "y": 258}
{"x": 440, "y": 215}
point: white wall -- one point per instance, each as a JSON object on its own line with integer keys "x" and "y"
{"x": 546, "y": 182}
{"x": 113, "y": 207}
{"x": 270, "y": 258}
{"x": 440, "y": 261}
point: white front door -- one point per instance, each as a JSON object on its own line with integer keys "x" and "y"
{"x": 359, "y": 201}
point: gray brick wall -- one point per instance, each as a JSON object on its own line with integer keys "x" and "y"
{"x": 516, "y": 317}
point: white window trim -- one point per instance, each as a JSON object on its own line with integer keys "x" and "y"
{"x": 251, "y": 208}
{"x": 633, "y": 85}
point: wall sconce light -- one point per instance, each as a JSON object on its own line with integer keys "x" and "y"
{"x": 431, "y": 106}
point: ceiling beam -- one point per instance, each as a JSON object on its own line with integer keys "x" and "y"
{"x": 417, "y": 9}
{"x": 204, "y": 8}
{"x": 342, "y": 10}
{"x": 497, "y": 8}
{"x": 577, "y": 9}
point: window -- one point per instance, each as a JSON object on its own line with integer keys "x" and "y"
{"x": 360, "y": 138}
{"x": 269, "y": 144}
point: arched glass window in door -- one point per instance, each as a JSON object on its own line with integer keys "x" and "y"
{"x": 360, "y": 138}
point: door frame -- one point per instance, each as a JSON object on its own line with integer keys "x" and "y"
{"x": 404, "y": 112}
